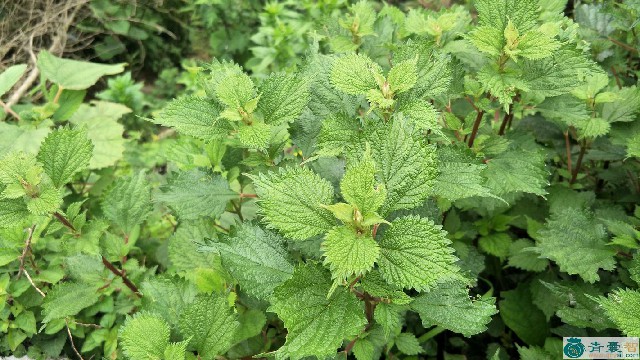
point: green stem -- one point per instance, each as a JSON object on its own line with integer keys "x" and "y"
{"x": 430, "y": 334}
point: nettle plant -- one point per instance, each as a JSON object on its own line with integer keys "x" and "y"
{"x": 421, "y": 185}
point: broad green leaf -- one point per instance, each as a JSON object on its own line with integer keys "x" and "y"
{"x": 450, "y": 307}
{"x": 375, "y": 285}
{"x": 210, "y": 323}
{"x": 127, "y": 203}
{"x": 496, "y": 244}
{"x": 184, "y": 248}
{"x": 167, "y": 297}
{"x": 517, "y": 170}
{"x": 316, "y": 325}
{"x": 355, "y": 74}
{"x": 433, "y": 68}
{"x": 520, "y": 314}
{"x": 67, "y": 299}
{"x": 194, "y": 194}
{"x": 73, "y": 74}
{"x": 416, "y": 254}
{"x": 256, "y": 258}
{"x": 21, "y": 138}
{"x": 348, "y": 253}
{"x": 623, "y": 307}
{"x": 574, "y": 302}
{"x": 625, "y": 108}
{"x": 522, "y": 255}
{"x": 282, "y": 98}
{"x": 65, "y": 152}
{"x": 193, "y": 116}
{"x": 299, "y": 191}
{"x": 103, "y": 130}
{"x": 407, "y": 167}
{"x": 10, "y": 77}
{"x": 144, "y": 336}
{"x": 390, "y": 317}
{"x": 577, "y": 243}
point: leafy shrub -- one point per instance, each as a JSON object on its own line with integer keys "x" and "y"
{"x": 420, "y": 184}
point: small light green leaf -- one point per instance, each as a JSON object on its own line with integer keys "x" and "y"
{"x": 316, "y": 325}
{"x": 235, "y": 90}
{"x": 449, "y": 306}
{"x": 415, "y": 253}
{"x": 358, "y": 186}
{"x": 10, "y": 77}
{"x": 355, "y": 74}
{"x": 299, "y": 191}
{"x": 348, "y": 253}
{"x": 144, "y": 336}
{"x": 127, "y": 203}
{"x": 403, "y": 76}
{"x": 65, "y": 152}
{"x": 73, "y": 74}
{"x": 496, "y": 244}
{"x": 255, "y": 136}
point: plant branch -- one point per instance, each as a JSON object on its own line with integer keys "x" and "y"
{"x": 508, "y": 117}
{"x": 122, "y": 275}
{"x": 71, "y": 339}
{"x": 64, "y": 221}
{"x": 26, "y": 274}
{"x": 623, "y": 45}
{"x": 26, "y": 250}
{"x": 568, "y": 149}
{"x": 8, "y": 110}
{"x": 476, "y": 126}
{"x": 576, "y": 170}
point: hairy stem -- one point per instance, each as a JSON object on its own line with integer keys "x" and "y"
{"x": 122, "y": 275}
{"x": 576, "y": 170}
{"x": 476, "y": 125}
{"x": 8, "y": 110}
{"x": 430, "y": 334}
{"x": 64, "y": 221}
{"x": 567, "y": 144}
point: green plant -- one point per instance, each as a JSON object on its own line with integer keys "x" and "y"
{"x": 419, "y": 185}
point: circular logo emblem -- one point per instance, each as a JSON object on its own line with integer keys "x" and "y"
{"x": 574, "y": 348}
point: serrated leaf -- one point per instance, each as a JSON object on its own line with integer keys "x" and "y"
{"x": 296, "y": 191}
{"x": 355, "y": 74}
{"x": 407, "y": 167}
{"x": 256, "y": 258}
{"x": 144, "y": 336}
{"x": 127, "y": 203}
{"x": 63, "y": 153}
{"x": 625, "y": 108}
{"x": 517, "y": 170}
{"x": 390, "y": 317}
{"x": 235, "y": 90}
{"x": 283, "y": 97}
{"x": 363, "y": 349}
{"x": 449, "y": 306}
{"x": 193, "y": 116}
{"x": 623, "y": 307}
{"x": 73, "y": 74}
{"x": 416, "y": 254}
{"x": 316, "y": 325}
{"x": 358, "y": 186}
{"x": 194, "y": 194}
{"x": 255, "y": 136}
{"x": 211, "y": 325}
{"x": 348, "y": 253}
{"x": 523, "y": 256}
{"x": 496, "y": 244}
{"x": 403, "y": 76}
{"x": 375, "y": 285}
{"x": 10, "y": 77}
{"x": 167, "y": 297}
{"x": 67, "y": 299}
{"x": 408, "y": 344}
{"x": 104, "y": 131}
{"x": 530, "y": 325}
{"x": 434, "y": 71}
{"x": 576, "y": 243}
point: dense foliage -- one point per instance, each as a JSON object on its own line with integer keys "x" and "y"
{"x": 341, "y": 180}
